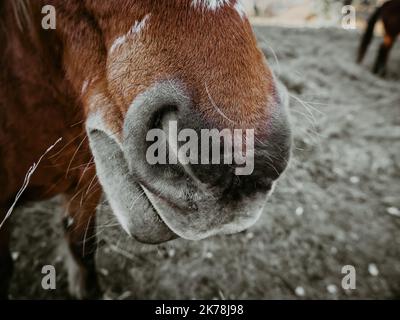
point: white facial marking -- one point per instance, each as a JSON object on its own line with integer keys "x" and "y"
{"x": 240, "y": 9}
{"x": 118, "y": 42}
{"x": 85, "y": 86}
{"x": 210, "y": 4}
{"x": 137, "y": 27}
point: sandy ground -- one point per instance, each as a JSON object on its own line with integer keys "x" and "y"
{"x": 335, "y": 206}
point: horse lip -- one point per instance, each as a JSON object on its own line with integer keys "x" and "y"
{"x": 172, "y": 205}
{"x": 149, "y": 195}
{"x": 149, "y": 240}
{"x": 149, "y": 191}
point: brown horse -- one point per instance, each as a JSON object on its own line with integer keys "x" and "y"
{"x": 107, "y": 74}
{"x": 389, "y": 12}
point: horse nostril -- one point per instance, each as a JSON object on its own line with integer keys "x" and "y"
{"x": 146, "y": 133}
{"x": 156, "y": 121}
{"x": 162, "y": 120}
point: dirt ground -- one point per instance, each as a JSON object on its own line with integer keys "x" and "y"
{"x": 337, "y": 205}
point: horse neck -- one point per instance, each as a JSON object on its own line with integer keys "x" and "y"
{"x": 37, "y": 102}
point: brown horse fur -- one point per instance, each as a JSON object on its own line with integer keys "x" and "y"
{"x": 51, "y": 80}
{"x": 389, "y": 13}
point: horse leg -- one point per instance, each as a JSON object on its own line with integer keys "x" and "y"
{"x": 6, "y": 262}
{"x": 384, "y": 50}
{"x": 80, "y": 233}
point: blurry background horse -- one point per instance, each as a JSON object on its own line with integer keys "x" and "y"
{"x": 389, "y": 13}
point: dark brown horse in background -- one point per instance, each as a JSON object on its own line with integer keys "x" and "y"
{"x": 389, "y": 12}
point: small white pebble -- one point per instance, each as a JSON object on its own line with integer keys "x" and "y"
{"x": 125, "y": 295}
{"x": 250, "y": 235}
{"x": 299, "y": 211}
{"x": 334, "y": 250}
{"x": 339, "y": 171}
{"x": 355, "y": 180}
{"x": 15, "y": 256}
{"x": 209, "y": 255}
{"x": 300, "y": 291}
{"x": 104, "y": 272}
{"x": 171, "y": 253}
{"x": 354, "y": 236}
{"x": 373, "y": 269}
{"x": 393, "y": 211}
{"x": 332, "y": 289}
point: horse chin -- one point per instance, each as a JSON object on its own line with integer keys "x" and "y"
{"x": 210, "y": 216}
{"x": 127, "y": 199}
